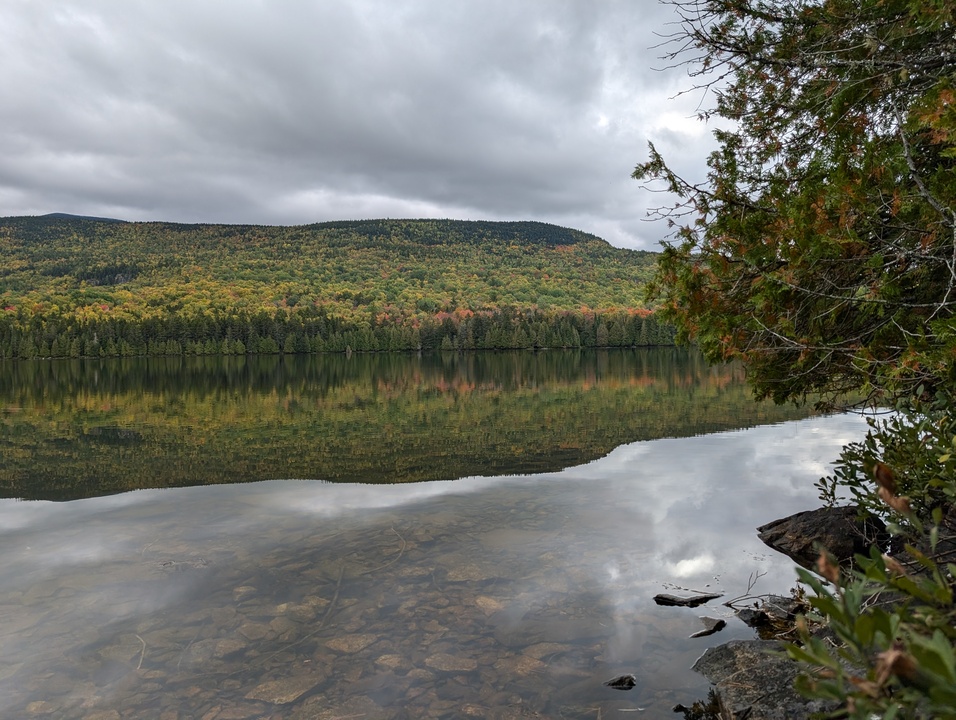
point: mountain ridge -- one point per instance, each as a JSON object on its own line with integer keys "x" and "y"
{"x": 372, "y": 284}
{"x": 368, "y": 227}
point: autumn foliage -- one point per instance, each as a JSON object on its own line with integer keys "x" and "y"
{"x": 821, "y": 250}
{"x": 73, "y": 287}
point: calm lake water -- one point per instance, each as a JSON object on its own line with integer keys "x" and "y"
{"x": 383, "y": 536}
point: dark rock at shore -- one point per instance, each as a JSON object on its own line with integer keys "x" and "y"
{"x": 755, "y": 680}
{"x": 677, "y": 601}
{"x": 711, "y": 626}
{"x": 753, "y": 617}
{"x": 773, "y": 614}
{"x": 837, "y": 529}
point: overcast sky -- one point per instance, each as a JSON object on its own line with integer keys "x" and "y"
{"x": 298, "y": 111}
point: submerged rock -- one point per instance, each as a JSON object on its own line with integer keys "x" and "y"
{"x": 837, "y": 529}
{"x": 446, "y": 662}
{"x": 353, "y": 643}
{"x": 622, "y": 682}
{"x": 286, "y": 690}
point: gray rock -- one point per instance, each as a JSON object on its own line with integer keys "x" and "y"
{"x": 755, "y": 680}
{"x": 285, "y": 690}
{"x": 622, "y": 682}
{"x": 837, "y": 529}
{"x": 446, "y": 662}
{"x": 711, "y": 626}
{"x": 753, "y": 617}
{"x": 677, "y": 601}
{"x": 773, "y": 610}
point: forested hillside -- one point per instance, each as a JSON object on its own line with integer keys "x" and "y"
{"x": 73, "y": 287}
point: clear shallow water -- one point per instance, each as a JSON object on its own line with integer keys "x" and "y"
{"x": 513, "y": 596}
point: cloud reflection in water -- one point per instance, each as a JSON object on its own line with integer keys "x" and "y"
{"x": 591, "y": 544}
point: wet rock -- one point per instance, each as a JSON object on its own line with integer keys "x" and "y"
{"x": 753, "y": 617}
{"x": 222, "y": 615}
{"x": 470, "y": 572}
{"x": 469, "y": 710}
{"x": 110, "y": 672}
{"x": 541, "y": 650}
{"x": 754, "y": 681}
{"x": 282, "y": 625}
{"x": 285, "y": 690}
{"x": 488, "y": 605}
{"x": 349, "y": 644}
{"x": 451, "y": 663}
{"x": 774, "y": 617}
{"x": 254, "y": 631}
{"x": 103, "y": 715}
{"x": 520, "y": 666}
{"x": 303, "y": 612}
{"x": 322, "y": 709}
{"x": 247, "y": 711}
{"x": 243, "y": 592}
{"x": 421, "y": 674}
{"x": 433, "y": 626}
{"x": 837, "y": 529}
{"x": 391, "y": 661}
{"x": 227, "y": 647}
{"x": 711, "y": 626}
{"x": 41, "y": 707}
{"x": 693, "y": 601}
{"x": 622, "y": 682}
{"x": 199, "y": 652}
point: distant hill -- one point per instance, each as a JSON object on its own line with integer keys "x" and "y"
{"x": 68, "y": 216}
{"x": 375, "y": 284}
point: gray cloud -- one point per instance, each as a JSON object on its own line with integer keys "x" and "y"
{"x": 294, "y": 112}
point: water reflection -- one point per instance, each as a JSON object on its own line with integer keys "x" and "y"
{"x": 487, "y": 597}
{"x": 72, "y": 429}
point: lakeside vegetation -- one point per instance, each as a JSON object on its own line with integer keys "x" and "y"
{"x": 821, "y": 252}
{"x": 80, "y": 287}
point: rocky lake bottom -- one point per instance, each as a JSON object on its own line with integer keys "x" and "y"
{"x": 505, "y": 597}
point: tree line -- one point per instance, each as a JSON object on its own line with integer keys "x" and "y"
{"x": 310, "y": 330}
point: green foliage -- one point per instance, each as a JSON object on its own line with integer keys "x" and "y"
{"x": 894, "y": 656}
{"x": 894, "y": 615}
{"x": 918, "y": 439}
{"x": 369, "y": 285}
{"x": 820, "y": 250}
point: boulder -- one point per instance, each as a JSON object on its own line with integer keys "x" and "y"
{"x": 755, "y": 680}
{"x": 800, "y": 537}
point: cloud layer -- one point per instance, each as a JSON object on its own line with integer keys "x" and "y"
{"x": 285, "y": 113}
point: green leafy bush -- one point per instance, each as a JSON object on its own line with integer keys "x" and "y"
{"x": 889, "y": 625}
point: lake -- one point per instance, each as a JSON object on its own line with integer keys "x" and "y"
{"x": 383, "y": 536}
